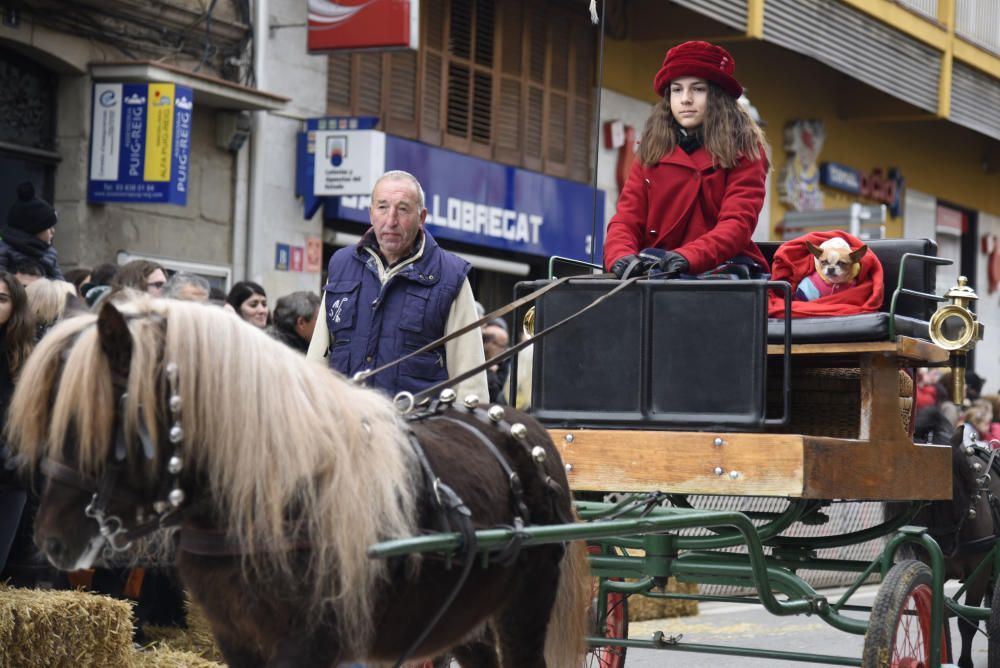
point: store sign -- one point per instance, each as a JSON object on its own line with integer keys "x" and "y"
{"x": 363, "y": 24}
{"x": 140, "y": 143}
{"x": 886, "y": 189}
{"x": 347, "y": 162}
{"x": 485, "y": 203}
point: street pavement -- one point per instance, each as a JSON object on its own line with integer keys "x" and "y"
{"x": 752, "y": 626}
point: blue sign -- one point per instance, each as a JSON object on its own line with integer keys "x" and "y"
{"x": 840, "y": 177}
{"x": 282, "y": 256}
{"x": 485, "y": 203}
{"x": 140, "y": 143}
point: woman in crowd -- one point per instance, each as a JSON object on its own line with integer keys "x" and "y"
{"x": 249, "y": 301}
{"x": 49, "y": 300}
{"x": 692, "y": 198}
{"x": 17, "y": 338}
{"x": 141, "y": 275}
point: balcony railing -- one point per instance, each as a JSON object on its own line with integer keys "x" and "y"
{"x": 979, "y": 22}
{"x": 928, "y": 8}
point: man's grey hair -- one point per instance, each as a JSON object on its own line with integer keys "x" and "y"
{"x": 397, "y": 175}
{"x": 175, "y": 287}
{"x": 293, "y": 306}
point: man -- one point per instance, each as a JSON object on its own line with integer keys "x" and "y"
{"x": 295, "y": 319}
{"x": 495, "y": 341}
{"x": 187, "y": 287}
{"x": 394, "y": 292}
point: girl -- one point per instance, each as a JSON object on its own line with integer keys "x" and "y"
{"x": 249, "y": 301}
{"x": 697, "y": 188}
{"x": 17, "y": 338}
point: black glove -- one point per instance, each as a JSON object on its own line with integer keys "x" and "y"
{"x": 621, "y": 265}
{"x": 664, "y": 263}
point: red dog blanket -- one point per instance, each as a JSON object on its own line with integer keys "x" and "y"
{"x": 793, "y": 262}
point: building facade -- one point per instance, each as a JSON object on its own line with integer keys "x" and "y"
{"x": 865, "y": 102}
{"x": 252, "y": 83}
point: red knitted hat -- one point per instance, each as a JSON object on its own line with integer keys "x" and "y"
{"x": 702, "y": 60}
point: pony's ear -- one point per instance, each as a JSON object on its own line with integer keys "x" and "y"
{"x": 116, "y": 340}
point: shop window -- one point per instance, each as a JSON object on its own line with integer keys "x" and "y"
{"x": 509, "y": 81}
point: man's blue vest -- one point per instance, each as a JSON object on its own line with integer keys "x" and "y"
{"x": 371, "y": 324}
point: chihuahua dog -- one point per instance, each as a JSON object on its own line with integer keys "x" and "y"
{"x": 837, "y": 267}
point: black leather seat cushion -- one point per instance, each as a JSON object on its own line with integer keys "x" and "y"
{"x": 912, "y": 313}
{"x": 845, "y": 328}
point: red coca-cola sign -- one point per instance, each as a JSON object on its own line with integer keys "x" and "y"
{"x": 362, "y": 24}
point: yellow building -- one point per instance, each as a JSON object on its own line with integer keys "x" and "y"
{"x": 912, "y": 86}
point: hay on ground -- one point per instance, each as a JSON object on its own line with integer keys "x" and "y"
{"x": 164, "y": 657}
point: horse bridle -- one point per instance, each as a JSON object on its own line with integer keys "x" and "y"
{"x": 166, "y": 510}
{"x": 972, "y": 447}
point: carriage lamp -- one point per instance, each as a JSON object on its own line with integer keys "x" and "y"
{"x": 954, "y": 327}
{"x": 528, "y": 323}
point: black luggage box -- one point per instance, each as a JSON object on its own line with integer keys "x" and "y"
{"x": 668, "y": 354}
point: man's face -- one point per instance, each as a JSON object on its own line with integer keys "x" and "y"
{"x": 396, "y": 217}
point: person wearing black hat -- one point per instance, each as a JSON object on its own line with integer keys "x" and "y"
{"x": 27, "y": 237}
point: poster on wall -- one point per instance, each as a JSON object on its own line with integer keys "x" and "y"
{"x": 363, "y": 24}
{"x": 347, "y": 162}
{"x": 140, "y": 143}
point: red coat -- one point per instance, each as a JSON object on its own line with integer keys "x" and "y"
{"x": 684, "y": 204}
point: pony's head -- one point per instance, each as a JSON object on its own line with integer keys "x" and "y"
{"x": 166, "y": 408}
{"x": 86, "y": 416}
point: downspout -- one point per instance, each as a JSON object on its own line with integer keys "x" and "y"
{"x": 258, "y": 156}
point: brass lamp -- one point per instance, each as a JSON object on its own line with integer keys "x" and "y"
{"x": 954, "y": 327}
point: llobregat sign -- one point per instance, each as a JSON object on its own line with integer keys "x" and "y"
{"x": 485, "y": 203}
{"x": 363, "y": 24}
{"x": 140, "y": 143}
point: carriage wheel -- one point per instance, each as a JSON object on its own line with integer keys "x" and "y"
{"x": 899, "y": 629}
{"x": 615, "y": 625}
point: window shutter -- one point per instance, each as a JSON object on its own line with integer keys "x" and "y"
{"x": 369, "y": 97}
{"x": 338, "y": 84}
{"x": 555, "y": 155}
{"x": 431, "y": 95}
{"x": 458, "y": 100}
{"x": 401, "y": 114}
{"x": 534, "y": 118}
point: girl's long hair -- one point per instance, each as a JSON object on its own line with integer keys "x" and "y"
{"x": 729, "y": 133}
{"x": 19, "y": 331}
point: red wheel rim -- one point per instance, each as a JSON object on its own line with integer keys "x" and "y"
{"x": 609, "y": 656}
{"x": 912, "y": 645}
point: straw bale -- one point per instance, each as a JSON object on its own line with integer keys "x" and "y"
{"x": 643, "y": 607}
{"x": 63, "y": 628}
{"x": 158, "y": 656}
{"x": 197, "y": 639}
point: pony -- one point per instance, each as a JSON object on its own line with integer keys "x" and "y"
{"x": 964, "y": 527}
{"x": 278, "y": 475}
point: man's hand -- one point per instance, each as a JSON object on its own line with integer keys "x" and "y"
{"x": 665, "y": 263}
{"x": 621, "y": 265}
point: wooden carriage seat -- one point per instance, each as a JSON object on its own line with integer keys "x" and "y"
{"x": 873, "y": 457}
{"x": 912, "y": 313}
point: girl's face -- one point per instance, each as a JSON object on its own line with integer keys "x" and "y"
{"x": 47, "y": 235}
{"x": 254, "y": 310}
{"x": 6, "y": 306}
{"x": 688, "y": 101}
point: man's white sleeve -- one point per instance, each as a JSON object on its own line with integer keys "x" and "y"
{"x": 465, "y": 352}
{"x": 320, "y": 341}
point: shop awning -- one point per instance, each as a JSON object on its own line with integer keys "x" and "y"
{"x": 209, "y": 91}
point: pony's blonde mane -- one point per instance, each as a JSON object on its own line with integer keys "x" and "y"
{"x": 290, "y": 450}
